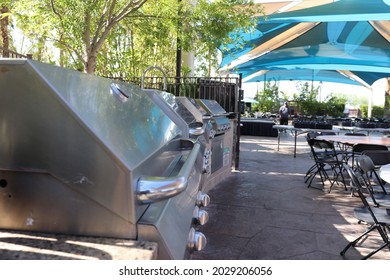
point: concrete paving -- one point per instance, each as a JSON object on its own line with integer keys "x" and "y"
{"x": 264, "y": 210}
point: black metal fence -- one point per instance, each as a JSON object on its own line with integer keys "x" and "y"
{"x": 224, "y": 90}
{"x": 11, "y": 54}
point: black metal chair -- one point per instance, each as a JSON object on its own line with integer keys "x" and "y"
{"x": 327, "y": 163}
{"x": 378, "y": 157}
{"x": 358, "y": 149}
{"x": 313, "y": 169}
{"x": 376, "y": 218}
{"x": 379, "y": 195}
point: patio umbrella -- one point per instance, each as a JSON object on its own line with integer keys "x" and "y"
{"x": 348, "y": 38}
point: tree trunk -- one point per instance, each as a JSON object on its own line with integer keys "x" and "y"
{"x": 90, "y": 65}
{"x": 4, "y": 32}
{"x": 386, "y": 111}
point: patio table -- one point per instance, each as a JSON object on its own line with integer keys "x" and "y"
{"x": 352, "y": 140}
{"x": 298, "y": 131}
{"x": 384, "y": 172}
{"x": 346, "y": 141}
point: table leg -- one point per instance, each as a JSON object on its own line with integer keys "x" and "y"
{"x": 278, "y": 138}
{"x": 295, "y": 143}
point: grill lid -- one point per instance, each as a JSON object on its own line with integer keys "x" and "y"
{"x": 120, "y": 115}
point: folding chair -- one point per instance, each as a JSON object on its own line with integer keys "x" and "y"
{"x": 325, "y": 159}
{"x": 358, "y": 149}
{"x": 377, "y": 192}
{"x": 313, "y": 169}
{"x": 377, "y": 218}
{"x": 379, "y": 158}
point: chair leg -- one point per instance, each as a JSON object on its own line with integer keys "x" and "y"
{"x": 316, "y": 169}
{"x": 385, "y": 238}
{"x": 383, "y": 234}
{"x": 310, "y": 172}
{"x": 337, "y": 174}
{"x": 353, "y": 243}
{"x": 376, "y": 251}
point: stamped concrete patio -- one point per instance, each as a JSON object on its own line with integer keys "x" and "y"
{"x": 265, "y": 211}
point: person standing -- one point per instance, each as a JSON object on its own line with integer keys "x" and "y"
{"x": 284, "y": 113}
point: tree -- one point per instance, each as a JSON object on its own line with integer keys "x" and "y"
{"x": 210, "y": 24}
{"x": 98, "y": 19}
{"x": 88, "y": 35}
{"x": 78, "y": 27}
{"x": 268, "y": 98}
{"x": 386, "y": 113}
{"x": 4, "y": 22}
{"x": 307, "y": 97}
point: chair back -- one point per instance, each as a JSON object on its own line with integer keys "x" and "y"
{"x": 359, "y": 189}
{"x": 311, "y": 135}
{"x": 378, "y": 157}
{"x": 325, "y": 145}
{"x": 365, "y": 147}
{"x": 322, "y": 148}
{"x": 365, "y": 164}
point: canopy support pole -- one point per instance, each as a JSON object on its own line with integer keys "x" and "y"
{"x": 370, "y": 98}
{"x": 363, "y": 83}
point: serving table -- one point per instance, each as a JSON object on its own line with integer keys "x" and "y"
{"x": 352, "y": 140}
{"x": 298, "y": 131}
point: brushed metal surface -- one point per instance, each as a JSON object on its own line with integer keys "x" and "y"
{"x": 73, "y": 147}
{"x": 70, "y": 125}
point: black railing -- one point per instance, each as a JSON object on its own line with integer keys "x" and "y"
{"x": 11, "y": 54}
{"x": 221, "y": 89}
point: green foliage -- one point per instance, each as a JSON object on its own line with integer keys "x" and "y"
{"x": 333, "y": 106}
{"x": 119, "y": 38}
{"x": 307, "y": 98}
{"x": 377, "y": 111}
{"x": 309, "y": 105}
{"x": 211, "y": 23}
{"x": 268, "y": 98}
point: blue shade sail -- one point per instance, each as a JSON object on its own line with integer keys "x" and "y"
{"x": 349, "y": 35}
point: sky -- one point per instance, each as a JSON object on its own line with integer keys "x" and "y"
{"x": 378, "y": 92}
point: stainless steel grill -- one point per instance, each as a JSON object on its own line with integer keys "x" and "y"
{"x": 221, "y": 141}
{"x": 85, "y": 155}
{"x": 216, "y": 113}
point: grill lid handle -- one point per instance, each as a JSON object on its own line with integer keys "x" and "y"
{"x": 153, "y": 189}
{"x": 158, "y": 68}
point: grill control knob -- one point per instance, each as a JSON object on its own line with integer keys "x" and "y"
{"x": 196, "y": 240}
{"x": 200, "y": 217}
{"x": 202, "y": 199}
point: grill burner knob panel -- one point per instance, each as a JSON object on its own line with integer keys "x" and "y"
{"x": 196, "y": 241}
{"x": 202, "y": 199}
{"x": 200, "y": 217}
{"x": 206, "y": 161}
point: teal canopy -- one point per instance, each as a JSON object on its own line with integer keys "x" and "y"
{"x": 346, "y": 41}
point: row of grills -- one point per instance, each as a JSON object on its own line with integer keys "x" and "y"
{"x": 85, "y": 155}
